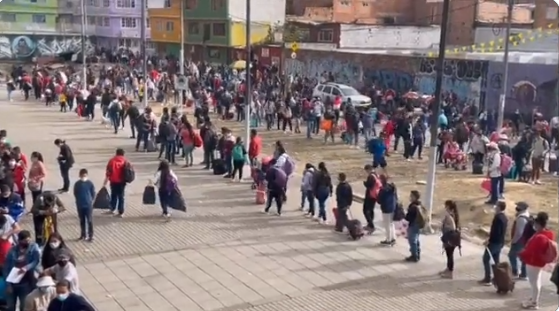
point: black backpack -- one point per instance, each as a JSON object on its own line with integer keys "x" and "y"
{"x": 128, "y": 173}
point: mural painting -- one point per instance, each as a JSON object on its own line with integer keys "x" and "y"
{"x": 344, "y": 72}
{"x": 465, "y": 78}
{"x": 399, "y": 81}
{"x": 529, "y": 86}
{"x": 26, "y": 47}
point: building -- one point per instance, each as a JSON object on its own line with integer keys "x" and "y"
{"x": 215, "y": 29}
{"x": 165, "y": 20}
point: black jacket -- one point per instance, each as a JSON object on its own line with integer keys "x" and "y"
{"x": 344, "y": 195}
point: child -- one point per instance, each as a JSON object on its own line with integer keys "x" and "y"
{"x": 84, "y": 194}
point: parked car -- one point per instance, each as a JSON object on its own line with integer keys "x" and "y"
{"x": 331, "y": 90}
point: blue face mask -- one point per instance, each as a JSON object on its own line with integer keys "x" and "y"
{"x": 62, "y": 297}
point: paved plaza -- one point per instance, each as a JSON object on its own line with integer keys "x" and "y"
{"x": 225, "y": 255}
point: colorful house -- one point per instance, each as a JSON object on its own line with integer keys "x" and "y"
{"x": 165, "y": 20}
{"x": 215, "y": 29}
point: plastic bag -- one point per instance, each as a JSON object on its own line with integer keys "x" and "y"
{"x": 486, "y": 185}
{"x": 177, "y": 201}
{"x": 102, "y": 199}
{"x": 148, "y": 197}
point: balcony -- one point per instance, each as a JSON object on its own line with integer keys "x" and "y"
{"x": 33, "y": 28}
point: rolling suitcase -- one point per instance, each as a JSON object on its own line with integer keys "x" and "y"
{"x": 502, "y": 276}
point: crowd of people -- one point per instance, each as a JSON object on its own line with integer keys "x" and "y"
{"x": 464, "y": 133}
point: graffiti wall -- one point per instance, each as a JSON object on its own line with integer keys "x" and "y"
{"x": 344, "y": 71}
{"x": 465, "y": 78}
{"x": 23, "y": 47}
{"x": 529, "y": 86}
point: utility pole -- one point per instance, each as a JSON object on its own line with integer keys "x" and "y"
{"x": 504, "y": 86}
{"x": 248, "y": 96}
{"x": 143, "y": 51}
{"x": 436, "y": 110}
{"x": 181, "y": 57}
{"x": 84, "y": 45}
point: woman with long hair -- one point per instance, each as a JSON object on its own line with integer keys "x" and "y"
{"x": 166, "y": 182}
{"x": 187, "y": 135}
{"x": 451, "y": 236}
{"x": 37, "y": 175}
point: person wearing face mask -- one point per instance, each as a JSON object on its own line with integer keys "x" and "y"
{"x": 25, "y": 258}
{"x": 40, "y": 297}
{"x": 11, "y": 203}
{"x": 65, "y": 270}
{"x": 68, "y": 301}
{"x": 53, "y": 248}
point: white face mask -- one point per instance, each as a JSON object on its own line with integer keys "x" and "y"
{"x": 54, "y": 244}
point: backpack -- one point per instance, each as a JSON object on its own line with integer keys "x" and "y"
{"x": 551, "y": 252}
{"x": 506, "y": 164}
{"x": 288, "y": 166}
{"x": 128, "y": 173}
{"x": 421, "y": 218}
{"x": 238, "y": 153}
{"x": 528, "y": 231}
{"x": 373, "y": 192}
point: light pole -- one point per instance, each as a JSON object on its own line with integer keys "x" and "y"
{"x": 504, "y": 86}
{"x": 143, "y": 51}
{"x": 431, "y": 178}
{"x": 248, "y": 96}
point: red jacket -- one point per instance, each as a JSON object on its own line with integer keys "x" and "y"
{"x": 532, "y": 254}
{"x": 115, "y": 167}
{"x": 255, "y": 147}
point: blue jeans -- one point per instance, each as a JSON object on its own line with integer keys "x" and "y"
{"x": 495, "y": 182}
{"x": 164, "y": 201}
{"x": 19, "y": 292}
{"x": 117, "y": 197}
{"x": 322, "y": 197}
{"x": 495, "y": 250}
{"x": 515, "y": 249}
{"x": 413, "y": 240}
{"x": 307, "y": 195}
{"x": 170, "y": 151}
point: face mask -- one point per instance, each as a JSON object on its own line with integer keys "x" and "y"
{"x": 54, "y": 244}
{"x": 62, "y": 297}
{"x": 62, "y": 263}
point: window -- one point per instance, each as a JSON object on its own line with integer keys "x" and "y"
{"x": 125, "y": 4}
{"x": 552, "y": 13}
{"x": 218, "y": 29}
{"x": 106, "y": 3}
{"x": 193, "y": 28}
{"x": 191, "y": 4}
{"x": 8, "y": 17}
{"x": 91, "y": 20}
{"x": 106, "y": 22}
{"x": 326, "y": 36}
{"x": 128, "y": 22}
{"x": 218, "y": 4}
{"x": 167, "y": 4}
{"x": 170, "y": 26}
{"x": 148, "y": 24}
{"x": 39, "y": 18}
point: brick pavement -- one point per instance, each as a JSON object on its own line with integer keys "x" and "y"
{"x": 223, "y": 255}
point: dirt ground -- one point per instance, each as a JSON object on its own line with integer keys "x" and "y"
{"x": 460, "y": 186}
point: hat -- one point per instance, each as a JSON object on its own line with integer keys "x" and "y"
{"x": 521, "y": 206}
{"x": 45, "y": 281}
